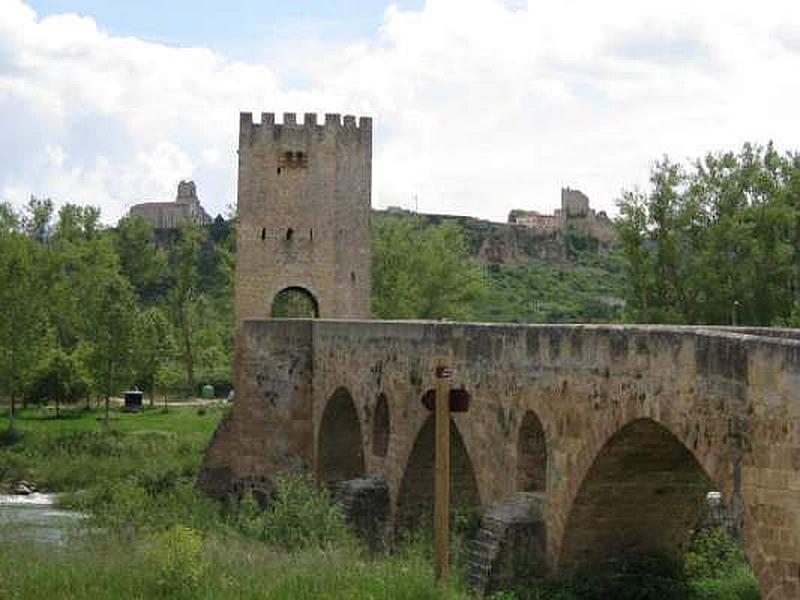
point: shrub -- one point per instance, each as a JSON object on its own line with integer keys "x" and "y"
{"x": 299, "y": 515}
{"x": 155, "y": 503}
{"x": 176, "y": 554}
{"x": 712, "y": 554}
{"x": 717, "y": 569}
{"x": 738, "y": 585}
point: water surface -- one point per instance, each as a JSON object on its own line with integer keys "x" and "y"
{"x": 34, "y": 518}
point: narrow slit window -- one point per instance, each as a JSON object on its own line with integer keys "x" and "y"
{"x": 289, "y": 234}
{"x": 263, "y": 233}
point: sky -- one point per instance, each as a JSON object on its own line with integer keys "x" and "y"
{"x": 479, "y": 106}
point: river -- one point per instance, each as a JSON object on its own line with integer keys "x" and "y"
{"x": 35, "y": 518}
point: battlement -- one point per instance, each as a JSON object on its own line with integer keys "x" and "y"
{"x": 333, "y": 123}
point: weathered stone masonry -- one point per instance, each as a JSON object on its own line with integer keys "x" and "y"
{"x": 638, "y": 423}
{"x": 304, "y": 211}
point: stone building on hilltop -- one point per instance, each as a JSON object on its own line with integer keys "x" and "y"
{"x": 170, "y": 215}
{"x": 575, "y": 213}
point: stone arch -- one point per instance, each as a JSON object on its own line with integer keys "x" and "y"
{"x": 381, "y": 427}
{"x": 294, "y": 302}
{"x": 415, "y": 496}
{"x": 640, "y": 497}
{"x": 339, "y": 449}
{"x": 531, "y": 455}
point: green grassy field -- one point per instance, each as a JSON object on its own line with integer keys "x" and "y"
{"x": 79, "y": 451}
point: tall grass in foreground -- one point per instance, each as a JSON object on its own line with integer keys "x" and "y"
{"x": 161, "y": 538}
{"x": 232, "y": 567}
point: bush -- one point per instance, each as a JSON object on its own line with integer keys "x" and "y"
{"x": 299, "y": 515}
{"x": 717, "y": 569}
{"x": 176, "y": 554}
{"x": 738, "y": 585}
{"x": 712, "y": 554}
{"x": 151, "y": 502}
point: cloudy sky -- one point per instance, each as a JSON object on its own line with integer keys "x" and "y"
{"x": 480, "y": 106}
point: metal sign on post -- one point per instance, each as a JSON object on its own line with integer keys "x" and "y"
{"x": 441, "y": 488}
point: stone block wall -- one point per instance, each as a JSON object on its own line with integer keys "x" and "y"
{"x": 304, "y": 213}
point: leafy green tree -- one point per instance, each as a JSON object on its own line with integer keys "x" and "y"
{"x": 423, "y": 271}
{"x": 716, "y": 242}
{"x": 76, "y": 223}
{"x": 183, "y": 295}
{"x": 152, "y": 346}
{"x": 9, "y": 219}
{"x": 38, "y": 217}
{"x": 22, "y": 315}
{"x": 59, "y": 377}
{"x": 142, "y": 261}
{"x": 112, "y": 336}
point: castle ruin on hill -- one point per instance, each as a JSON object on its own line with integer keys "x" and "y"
{"x": 575, "y": 214}
{"x": 186, "y": 209}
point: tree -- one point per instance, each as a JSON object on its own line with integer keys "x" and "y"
{"x": 152, "y": 345}
{"x": 142, "y": 262}
{"x": 423, "y": 271}
{"x": 37, "y": 219}
{"x": 9, "y": 219}
{"x": 716, "y": 242}
{"x": 22, "y": 315}
{"x": 59, "y": 377}
{"x": 183, "y": 295}
{"x": 113, "y": 318}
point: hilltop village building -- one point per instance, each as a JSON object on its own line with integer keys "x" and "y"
{"x": 170, "y": 215}
{"x": 574, "y": 213}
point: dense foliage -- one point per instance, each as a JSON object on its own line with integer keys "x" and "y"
{"x": 89, "y": 311}
{"x": 716, "y": 242}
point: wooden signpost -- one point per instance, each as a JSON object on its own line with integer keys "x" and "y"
{"x": 441, "y": 488}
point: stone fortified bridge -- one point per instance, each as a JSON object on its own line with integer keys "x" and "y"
{"x": 602, "y": 440}
{"x": 580, "y": 443}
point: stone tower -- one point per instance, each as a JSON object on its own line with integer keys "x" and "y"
{"x": 304, "y": 214}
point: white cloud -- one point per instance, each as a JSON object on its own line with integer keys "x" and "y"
{"x": 480, "y": 106}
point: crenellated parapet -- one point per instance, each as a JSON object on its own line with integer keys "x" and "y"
{"x": 334, "y": 126}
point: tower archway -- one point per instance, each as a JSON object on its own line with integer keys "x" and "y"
{"x": 294, "y": 303}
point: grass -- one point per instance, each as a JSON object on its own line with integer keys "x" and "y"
{"x": 233, "y": 568}
{"x": 79, "y": 451}
{"x": 160, "y": 538}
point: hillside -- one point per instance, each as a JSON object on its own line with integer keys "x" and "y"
{"x": 532, "y": 277}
